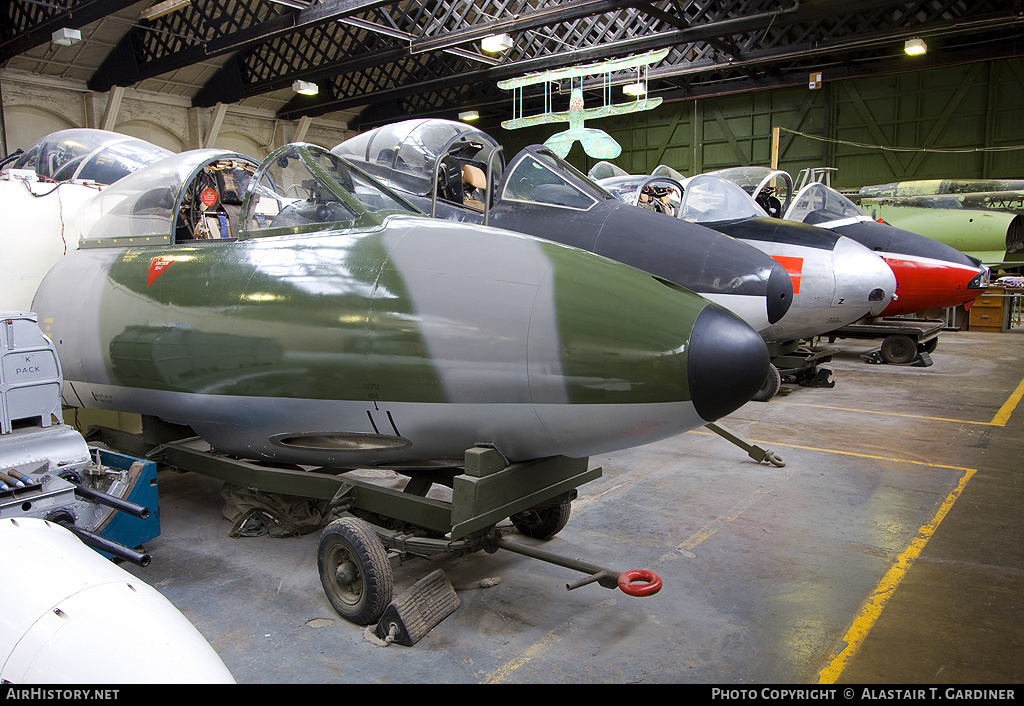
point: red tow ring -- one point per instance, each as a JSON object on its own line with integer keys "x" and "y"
{"x": 639, "y": 582}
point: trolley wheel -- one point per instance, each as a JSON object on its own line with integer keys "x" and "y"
{"x": 354, "y": 570}
{"x": 543, "y": 523}
{"x": 771, "y": 387}
{"x": 898, "y": 349}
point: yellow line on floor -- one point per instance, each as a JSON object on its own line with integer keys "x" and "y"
{"x": 499, "y": 675}
{"x": 708, "y": 530}
{"x": 1003, "y": 415}
{"x": 999, "y": 420}
{"x": 872, "y": 608}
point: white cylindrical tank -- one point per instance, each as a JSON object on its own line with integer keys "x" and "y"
{"x": 72, "y": 616}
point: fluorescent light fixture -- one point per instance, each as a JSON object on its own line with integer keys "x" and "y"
{"x": 306, "y": 88}
{"x": 66, "y": 37}
{"x": 635, "y": 89}
{"x": 915, "y": 46}
{"x": 496, "y": 42}
{"x": 163, "y": 8}
{"x": 469, "y": 115}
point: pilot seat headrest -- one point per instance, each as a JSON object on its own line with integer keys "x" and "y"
{"x": 474, "y": 176}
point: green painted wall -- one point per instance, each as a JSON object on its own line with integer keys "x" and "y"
{"x": 953, "y": 122}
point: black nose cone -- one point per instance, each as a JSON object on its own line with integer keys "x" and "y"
{"x": 727, "y": 363}
{"x": 780, "y": 293}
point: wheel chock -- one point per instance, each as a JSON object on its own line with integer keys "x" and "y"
{"x": 413, "y": 614}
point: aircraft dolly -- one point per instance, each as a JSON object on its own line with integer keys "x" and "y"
{"x": 379, "y": 527}
{"x": 905, "y": 341}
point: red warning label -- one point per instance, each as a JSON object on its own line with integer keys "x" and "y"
{"x": 156, "y": 268}
{"x": 209, "y": 197}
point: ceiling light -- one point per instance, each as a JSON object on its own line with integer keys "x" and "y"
{"x": 163, "y": 8}
{"x": 915, "y": 46}
{"x": 306, "y": 88}
{"x": 635, "y": 89}
{"x": 66, "y": 37}
{"x": 469, "y": 115}
{"x": 496, "y": 42}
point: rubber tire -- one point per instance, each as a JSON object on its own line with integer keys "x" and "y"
{"x": 363, "y": 600}
{"x": 544, "y": 523}
{"x": 898, "y": 349}
{"x": 930, "y": 345}
{"x": 771, "y": 387}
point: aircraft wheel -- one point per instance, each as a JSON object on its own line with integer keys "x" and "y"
{"x": 771, "y": 387}
{"x": 354, "y": 570}
{"x": 543, "y": 523}
{"x": 898, "y": 349}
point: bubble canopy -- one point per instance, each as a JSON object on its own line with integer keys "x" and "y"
{"x": 403, "y": 155}
{"x": 85, "y": 154}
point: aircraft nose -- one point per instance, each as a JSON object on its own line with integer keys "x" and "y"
{"x": 727, "y": 363}
{"x": 863, "y": 279}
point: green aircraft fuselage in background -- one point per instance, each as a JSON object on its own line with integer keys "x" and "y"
{"x": 983, "y": 218}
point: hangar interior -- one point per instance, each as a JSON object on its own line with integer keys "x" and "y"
{"x": 884, "y": 543}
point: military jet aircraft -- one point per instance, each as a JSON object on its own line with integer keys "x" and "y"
{"x": 983, "y": 218}
{"x": 456, "y": 172}
{"x": 41, "y": 190}
{"x": 337, "y": 325}
{"x": 836, "y": 281}
{"x": 929, "y": 274}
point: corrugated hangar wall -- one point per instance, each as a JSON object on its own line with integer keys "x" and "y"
{"x": 937, "y": 120}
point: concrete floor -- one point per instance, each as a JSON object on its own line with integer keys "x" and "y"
{"x": 889, "y": 549}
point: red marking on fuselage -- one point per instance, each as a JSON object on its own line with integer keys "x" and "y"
{"x": 157, "y": 267}
{"x": 794, "y": 267}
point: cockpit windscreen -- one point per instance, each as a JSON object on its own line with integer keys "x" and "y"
{"x": 303, "y": 186}
{"x": 709, "y": 199}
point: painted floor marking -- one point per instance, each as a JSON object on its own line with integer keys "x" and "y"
{"x": 999, "y": 420}
{"x": 862, "y": 624}
{"x": 873, "y": 606}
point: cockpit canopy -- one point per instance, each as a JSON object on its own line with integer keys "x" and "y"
{"x": 194, "y": 195}
{"x": 404, "y": 155}
{"x": 710, "y": 199}
{"x": 303, "y": 187}
{"x": 85, "y": 154}
{"x": 771, "y": 188}
{"x": 817, "y": 203}
{"x": 213, "y": 194}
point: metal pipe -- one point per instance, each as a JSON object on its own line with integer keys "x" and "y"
{"x": 110, "y": 547}
{"x": 110, "y": 501}
{"x": 605, "y": 577}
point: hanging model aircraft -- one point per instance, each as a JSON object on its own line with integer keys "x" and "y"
{"x": 540, "y": 194}
{"x": 929, "y": 274}
{"x": 596, "y": 143}
{"x": 41, "y": 190}
{"x": 339, "y": 326}
{"x": 983, "y": 218}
